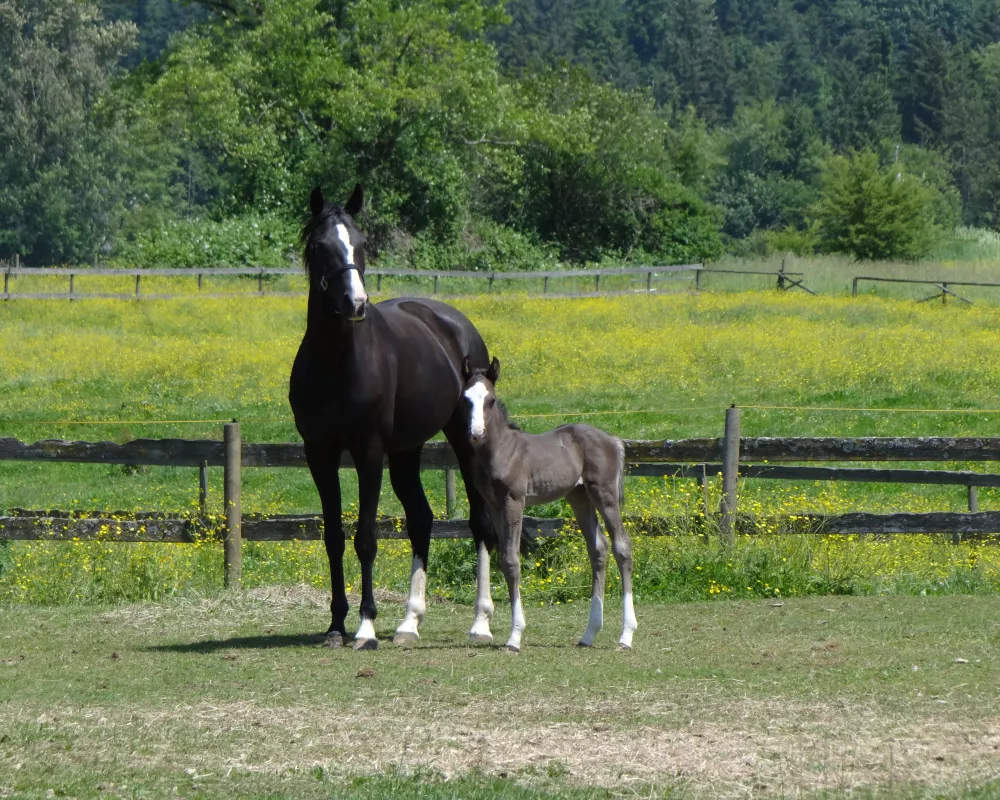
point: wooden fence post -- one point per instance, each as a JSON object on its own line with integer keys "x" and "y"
{"x": 71, "y": 277}
{"x": 138, "y": 279}
{"x": 649, "y": 281}
{"x": 260, "y": 281}
{"x": 449, "y": 492}
{"x": 697, "y": 281}
{"x": 781, "y": 276}
{"x": 378, "y": 283}
{"x": 233, "y": 542}
{"x": 203, "y": 488}
{"x": 730, "y": 472}
{"x": 435, "y": 283}
{"x": 545, "y": 285}
{"x": 973, "y": 499}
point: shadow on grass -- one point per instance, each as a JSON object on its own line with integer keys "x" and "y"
{"x": 265, "y": 642}
{"x": 277, "y": 640}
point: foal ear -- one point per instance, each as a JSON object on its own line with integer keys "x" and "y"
{"x": 356, "y": 202}
{"x": 493, "y": 373}
{"x": 316, "y": 202}
{"x": 466, "y": 369}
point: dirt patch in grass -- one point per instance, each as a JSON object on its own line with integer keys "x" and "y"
{"x": 721, "y": 749}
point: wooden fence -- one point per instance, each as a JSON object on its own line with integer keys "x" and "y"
{"x": 785, "y": 280}
{"x": 702, "y": 459}
{"x": 942, "y": 286}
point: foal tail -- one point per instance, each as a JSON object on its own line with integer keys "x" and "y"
{"x": 621, "y": 473}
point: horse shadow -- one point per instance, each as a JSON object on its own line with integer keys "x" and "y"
{"x": 314, "y": 640}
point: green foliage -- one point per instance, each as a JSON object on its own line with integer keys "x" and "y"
{"x": 267, "y": 240}
{"x": 598, "y": 177}
{"x": 62, "y": 187}
{"x": 875, "y": 212}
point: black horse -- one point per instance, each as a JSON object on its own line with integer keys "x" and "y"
{"x": 380, "y": 380}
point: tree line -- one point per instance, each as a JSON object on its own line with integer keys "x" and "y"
{"x": 499, "y": 137}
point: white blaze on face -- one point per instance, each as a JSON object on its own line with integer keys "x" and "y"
{"x": 357, "y": 293}
{"x": 477, "y": 394}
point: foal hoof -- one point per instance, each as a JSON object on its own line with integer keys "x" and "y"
{"x": 405, "y": 638}
{"x": 582, "y": 643}
{"x": 481, "y": 638}
{"x": 366, "y": 644}
{"x": 623, "y": 646}
{"x": 512, "y": 649}
{"x": 333, "y": 639}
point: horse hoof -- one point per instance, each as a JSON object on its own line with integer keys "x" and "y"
{"x": 480, "y": 638}
{"x": 366, "y": 644}
{"x": 511, "y": 649}
{"x": 405, "y": 638}
{"x": 582, "y": 643}
{"x": 622, "y": 646}
{"x": 333, "y": 639}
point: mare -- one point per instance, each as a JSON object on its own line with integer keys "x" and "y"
{"x": 378, "y": 381}
{"x": 513, "y": 469}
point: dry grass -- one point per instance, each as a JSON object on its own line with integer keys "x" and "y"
{"x": 703, "y": 745}
{"x": 234, "y": 696}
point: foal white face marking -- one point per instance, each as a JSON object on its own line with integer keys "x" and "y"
{"x": 477, "y": 394}
{"x": 357, "y": 293}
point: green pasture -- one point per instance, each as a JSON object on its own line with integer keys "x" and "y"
{"x": 235, "y": 697}
{"x": 641, "y": 367}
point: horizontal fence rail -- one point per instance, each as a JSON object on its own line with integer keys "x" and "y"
{"x": 785, "y": 280}
{"x": 731, "y": 456}
{"x": 35, "y": 526}
{"x": 439, "y": 455}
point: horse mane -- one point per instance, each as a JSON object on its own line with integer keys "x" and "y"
{"x": 506, "y": 416}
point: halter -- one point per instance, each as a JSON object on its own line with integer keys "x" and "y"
{"x": 324, "y": 284}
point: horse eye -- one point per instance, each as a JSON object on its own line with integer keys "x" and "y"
{"x": 490, "y": 401}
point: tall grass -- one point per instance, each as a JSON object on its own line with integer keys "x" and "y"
{"x": 644, "y": 367}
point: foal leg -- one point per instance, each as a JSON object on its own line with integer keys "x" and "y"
{"x": 324, "y": 464}
{"x": 606, "y": 499}
{"x": 404, "y": 473}
{"x": 510, "y": 558}
{"x": 597, "y": 549}
{"x": 368, "y": 461}
{"x": 484, "y": 532}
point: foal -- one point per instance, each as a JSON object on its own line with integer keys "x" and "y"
{"x": 512, "y": 469}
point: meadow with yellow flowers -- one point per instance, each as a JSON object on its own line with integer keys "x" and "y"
{"x": 642, "y": 367}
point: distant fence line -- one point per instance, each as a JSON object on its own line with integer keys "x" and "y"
{"x": 784, "y": 279}
{"x": 701, "y": 459}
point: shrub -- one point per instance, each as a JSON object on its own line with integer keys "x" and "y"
{"x": 873, "y": 212}
{"x": 256, "y": 240}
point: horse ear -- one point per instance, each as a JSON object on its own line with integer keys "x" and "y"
{"x": 466, "y": 369}
{"x": 493, "y": 373}
{"x": 357, "y": 201}
{"x": 316, "y": 201}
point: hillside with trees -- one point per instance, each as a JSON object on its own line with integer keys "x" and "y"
{"x": 162, "y": 133}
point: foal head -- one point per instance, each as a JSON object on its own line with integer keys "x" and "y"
{"x": 483, "y": 411}
{"x": 335, "y": 254}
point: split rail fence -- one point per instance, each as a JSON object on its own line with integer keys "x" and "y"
{"x": 731, "y": 455}
{"x": 785, "y": 280}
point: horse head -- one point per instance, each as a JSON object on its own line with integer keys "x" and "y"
{"x": 335, "y": 254}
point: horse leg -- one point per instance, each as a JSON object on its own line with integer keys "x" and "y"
{"x": 368, "y": 462}
{"x": 606, "y": 500}
{"x": 404, "y": 473}
{"x": 510, "y": 559}
{"x": 597, "y": 549}
{"x": 324, "y": 464}
{"x": 484, "y": 531}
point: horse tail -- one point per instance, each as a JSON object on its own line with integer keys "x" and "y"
{"x": 621, "y": 472}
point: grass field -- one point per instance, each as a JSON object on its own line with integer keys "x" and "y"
{"x": 649, "y": 367}
{"x": 233, "y": 697}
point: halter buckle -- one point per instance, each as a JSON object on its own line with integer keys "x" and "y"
{"x": 322, "y": 283}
